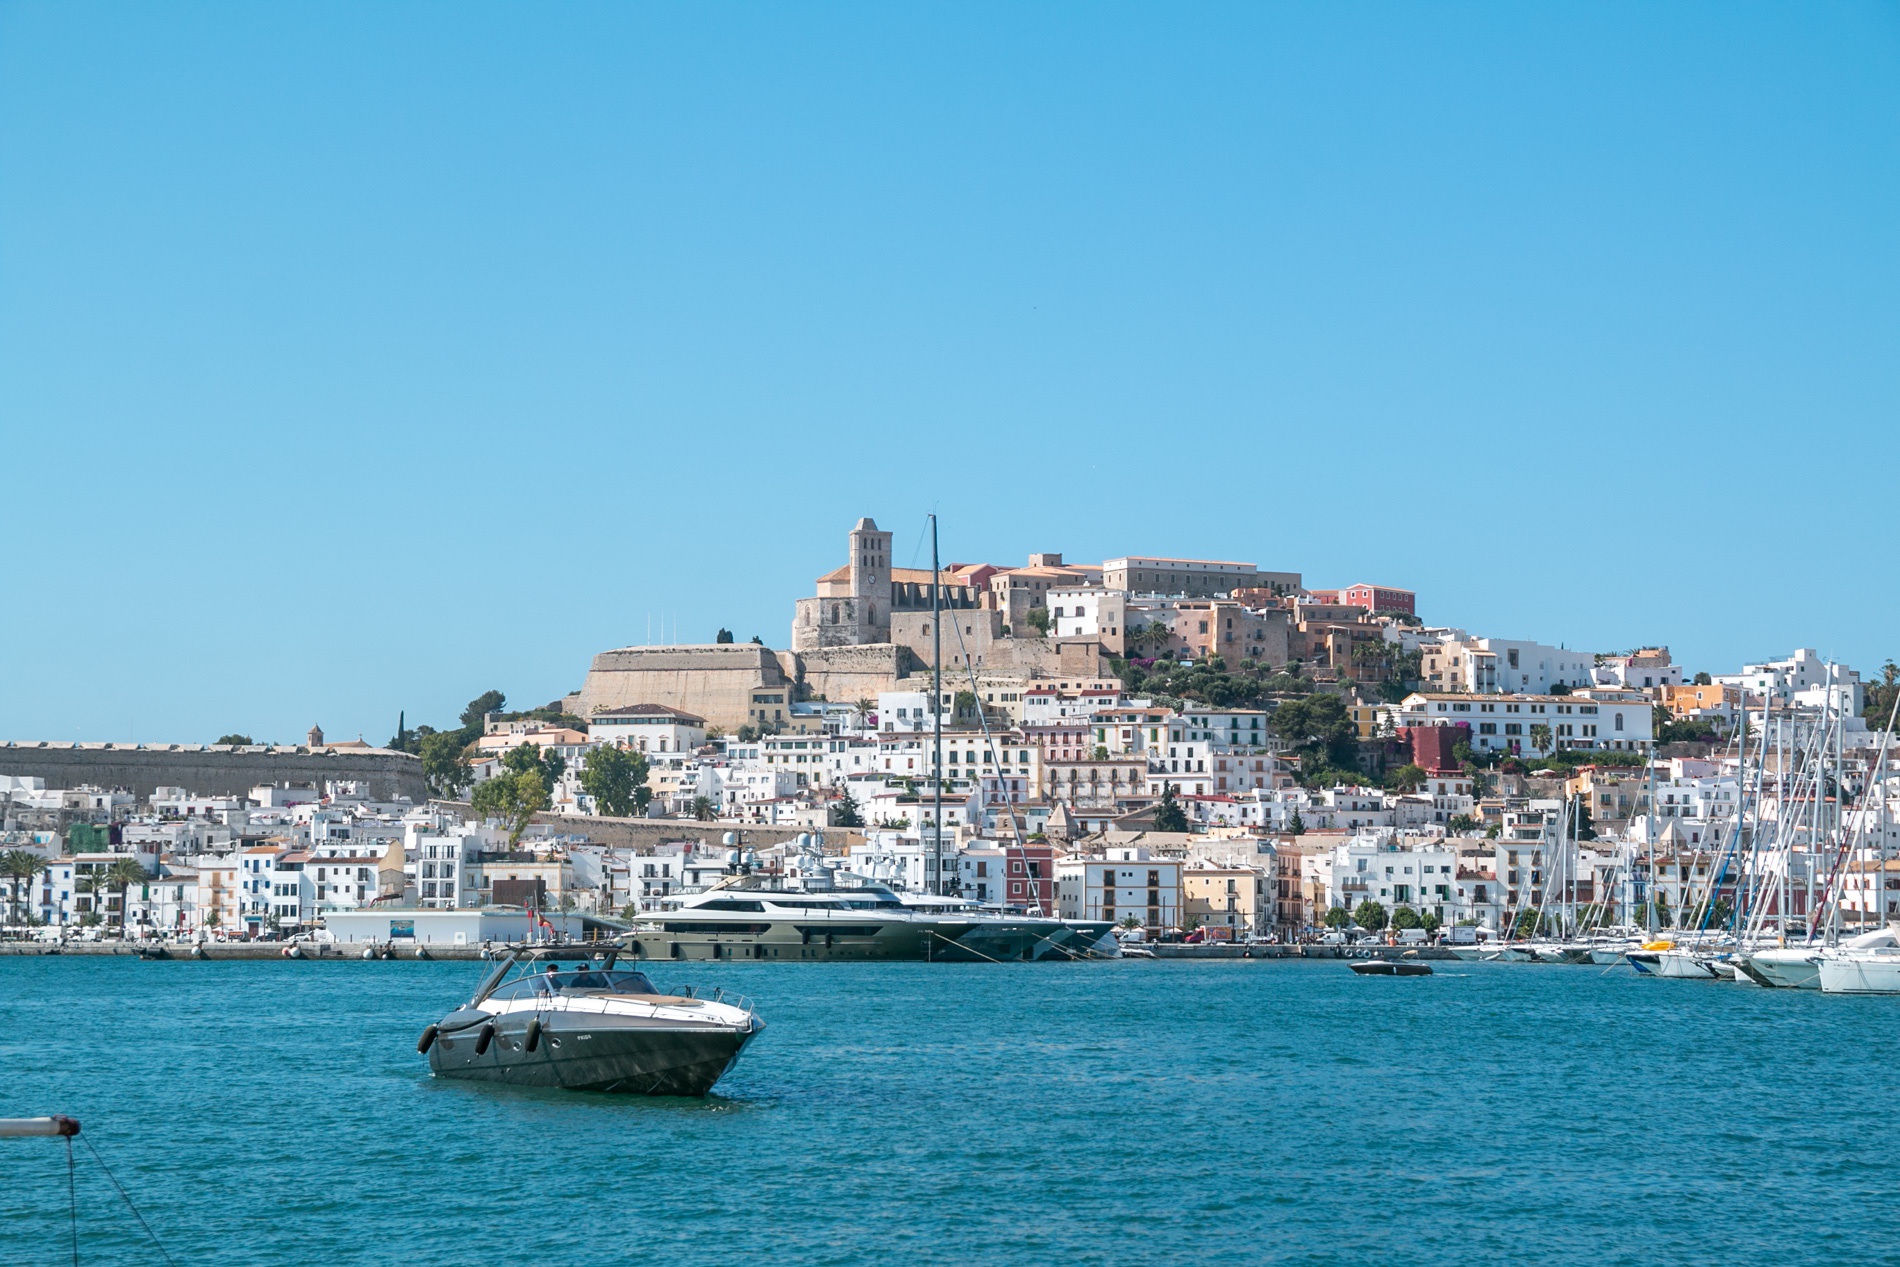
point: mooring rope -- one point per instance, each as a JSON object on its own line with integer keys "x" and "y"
{"x": 123, "y": 1196}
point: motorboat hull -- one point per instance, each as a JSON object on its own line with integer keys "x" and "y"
{"x": 589, "y": 1052}
{"x": 1392, "y": 968}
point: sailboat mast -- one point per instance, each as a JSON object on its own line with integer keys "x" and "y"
{"x": 1649, "y": 836}
{"x": 936, "y": 714}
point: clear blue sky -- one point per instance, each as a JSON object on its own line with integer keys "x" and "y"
{"x": 357, "y": 358}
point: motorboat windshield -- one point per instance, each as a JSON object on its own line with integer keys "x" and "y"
{"x": 586, "y": 981}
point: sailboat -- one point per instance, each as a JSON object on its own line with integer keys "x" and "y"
{"x": 1868, "y": 964}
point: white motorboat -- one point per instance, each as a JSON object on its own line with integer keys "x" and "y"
{"x": 593, "y": 1028}
{"x": 1868, "y": 964}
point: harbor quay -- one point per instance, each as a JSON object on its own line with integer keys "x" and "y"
{"x": 315, "y": 952}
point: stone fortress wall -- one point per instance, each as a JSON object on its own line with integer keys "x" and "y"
{"x": 212, "y": 769}
{"x": 729, "y": 684}
{"x": 733, "y": 684}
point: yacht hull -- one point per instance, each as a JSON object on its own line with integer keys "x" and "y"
{"x": 1671, "y": 963}
{"x": 1848, "y": 972}
{"x": 946, "y": 941}
{"x": 597, "y": 1053}
{"x": 1788, "y": 969}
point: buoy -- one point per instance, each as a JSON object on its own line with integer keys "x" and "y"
{"x": 422, "y": 953}
{"x": 427, "y": 1040}
{"x": 484, "y": 1038}
{"x": 532, "y": 1039}
{"x": 369, "y": 952}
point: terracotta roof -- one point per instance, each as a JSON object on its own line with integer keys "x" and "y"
{"x": 907, "y": 576}
{"x": 651, "y": 710}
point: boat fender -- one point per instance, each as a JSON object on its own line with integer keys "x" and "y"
{"x": 422, "y": 953}
{"x": 482, "y": 1039}
{"x": 532, "y": 1039}
{"x": 369, "y": 952}
{"x": 427, "y": 1040}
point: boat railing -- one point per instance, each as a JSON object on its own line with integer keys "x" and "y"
{"x": 719, "y": 995}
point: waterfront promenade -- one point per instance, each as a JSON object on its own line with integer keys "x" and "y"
{"x": 311, "y": 951}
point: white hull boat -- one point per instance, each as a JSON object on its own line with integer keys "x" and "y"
{"x": 1787, "y": 967}
{"x": 1681, "y": 964}
{"x": 1861, "y": 972}
{"x": 1869, "y": 964}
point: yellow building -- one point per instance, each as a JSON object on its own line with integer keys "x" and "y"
{"x": 1230, "y": 902}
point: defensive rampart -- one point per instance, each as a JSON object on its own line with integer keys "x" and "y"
{"x": 729, "y": 684}
{"x": 212, "y": 769}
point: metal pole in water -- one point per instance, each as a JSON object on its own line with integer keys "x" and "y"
{"x": 29, "y": 1127}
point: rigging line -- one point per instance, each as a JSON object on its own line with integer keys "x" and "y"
{"x": 989, "y": 744}
{"x": 72, "y": 1199}
{"x": 127, "y": 1198}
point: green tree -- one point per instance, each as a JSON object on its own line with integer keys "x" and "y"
{"x": 1337, "y": 917}
{"x": 19, "y": 866}
{"x": 1540, "y": 737}
{"x": 123, "y": 874}
{"x": 846, "y": 813}
{"x": 1319, "y": 729}
{"x": 1407, "y": 778}
{"x": 514, "y": 798}
{"x": 442, "y": 764}
{"x": 236, "y": 741}
{"x": 1169, "y": 816}
{"x": 1530, "y": 923}
{"x": 757, "y": 641}
{"x": 724, "y": 635}
{"x": 703, "y": 809}
{"x": 617, "y": 780}
{"x": 1703, "y": 679}
{"x": 478, "y": 708}
{"x": 1430, "y": 922}
{"x": 1720, "y": 912}
{"x": 1369, "y": 915}
{"x": 1881, "y": 696}
{"x": 1586, "y": 826}
{"x": 1405, "y": 917}
{"x": 544, "y": 763}
{"x": 1296, "y": 826}
{"x": 1038, "y": 620}
{"x": 1460, "y": 824}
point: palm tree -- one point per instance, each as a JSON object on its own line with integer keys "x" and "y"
{"x": 125, "y": 873}
{"x": 19, "y": 867}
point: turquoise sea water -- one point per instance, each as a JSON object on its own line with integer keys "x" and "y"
{"x": 1057, "y": 1113}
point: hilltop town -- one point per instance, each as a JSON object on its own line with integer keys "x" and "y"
{"x": 1184, "y": 746}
